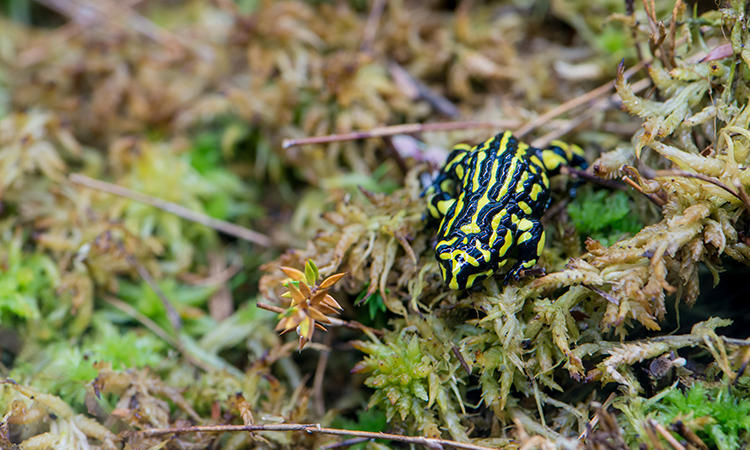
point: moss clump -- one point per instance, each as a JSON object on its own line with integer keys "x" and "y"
{"x": 604, "y": 216}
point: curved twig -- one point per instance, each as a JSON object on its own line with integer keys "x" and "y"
{"x": 315, "y": 429}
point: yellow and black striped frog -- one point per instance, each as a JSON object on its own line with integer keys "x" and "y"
{"x": 489, "y": 199}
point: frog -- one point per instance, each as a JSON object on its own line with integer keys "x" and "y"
{"x": 489, "y": 200}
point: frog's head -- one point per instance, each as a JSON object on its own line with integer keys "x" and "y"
{"x": 464, "y": 262}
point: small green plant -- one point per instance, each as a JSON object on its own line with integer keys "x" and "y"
{"x": 603, "y": 216}
{"x": 718, "y": 417}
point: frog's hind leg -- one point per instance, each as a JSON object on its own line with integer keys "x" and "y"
{"x": 530, "y": 239}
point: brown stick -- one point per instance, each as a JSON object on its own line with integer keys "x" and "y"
{"x": 685, "y": 174}
{"x": 605, "y": 295}
{"x": 172, "y": 314}
{"x": 371, "y": 27}
{"x": 143, "y": 319}
{"x": 320, "y": 372}
{"x": 172, "y": 208}
{"x": 574, "y": 103}
{"x": 400, "y": 129}
{"x": 667, "y": 435}
{"x": 432, "y": 443}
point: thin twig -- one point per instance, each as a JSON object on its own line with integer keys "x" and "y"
{"x": 630, "y": 172}
{"x": 37, "y": 53}
{"x": 345, "y": 443}
{"x": 172, "y": 314}
{"x": 587, "y": 115}
{"x": 314, "y": 429}
{"x": 172, "y": 208}
{"x": 689, "y": 435}
{"x": 415, "y": 89}
{"x": 91, "y": 12}
{"x": 143, "y": 319}
{"x": 574, "y": 103}
{"x": 371, "y": 27}
{"x": 320, "y": 372}
{"x": 216, "y": 278}
{"x": 220, "y": 305}
{"x": 743, "y": 194}
{"x": 655, "y": 199}
{"x": 567, "y": 170}
{"x": 271, "y": 308}
{"x": 715, "y": 181}
{"x": 667, "y": 435}
{"x": 461, "y": 359}
{"x": 673, "y": 32}
{"x": 157, "y": 330}
{"x": 401, "y": 129}
{"x": 651, "y": 432}
{"x": 606, "y": 295}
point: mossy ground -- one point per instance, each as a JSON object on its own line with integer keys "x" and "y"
{"x": 119, "y": 320}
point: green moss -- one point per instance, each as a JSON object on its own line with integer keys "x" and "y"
{"x": 603, "y": 216}
{"x": 721, "y": 419}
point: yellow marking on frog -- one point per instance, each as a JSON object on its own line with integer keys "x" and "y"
{"x": 433, "y": 211}
{"x": 448, "y": 242}
{"x": 524, "y": 237}
{"x": 506, "y": 243}
{"x": 452, "y": 256}
{"x": 525, "y": 207}
{"x": 465, "y": 240}
{"x": 495, "y": 224}
{"x": 522, "y": 181}
{"x": 545, "y": 180}
{"x": 535, "y": 191}
{"x": 484, "y": 200}
{"x": 535, "y": 159}
{"x": 503, "y": 146}
{"x": 552, "y": 160}
{"x": 444, "y": 205}
{"x": 460, "y": 172}
{"x": 477, "y": 171}
{"x": 471, "y": 279}
{"x": 533, "y": 168}
{"x": 471, "y": 228}
{"x": 525, "y": 224}
{"x": 540, "y": 244}
{"x": 459, "y": 208}
{"x": 485, "y": 252}
{"x": 514, "y": 218}
{"x": 509, "y": 178}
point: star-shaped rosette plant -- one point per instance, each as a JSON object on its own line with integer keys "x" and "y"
{"x": 310, "y": 304}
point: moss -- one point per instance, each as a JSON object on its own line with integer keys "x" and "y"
{"x": 603, "y": 215}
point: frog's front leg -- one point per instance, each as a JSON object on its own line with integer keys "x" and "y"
{"x": 530, "y": 239}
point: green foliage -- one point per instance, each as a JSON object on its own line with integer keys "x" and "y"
{"x": 399, "y": 373}
{"x": 124, "y": 349}
{"x": 374, "y": 302}
{"x": 603, "y": 216}
{"x": 66, "y": 369}
{"x": 28, "y": 281}
{"x": 720, "y": 418}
